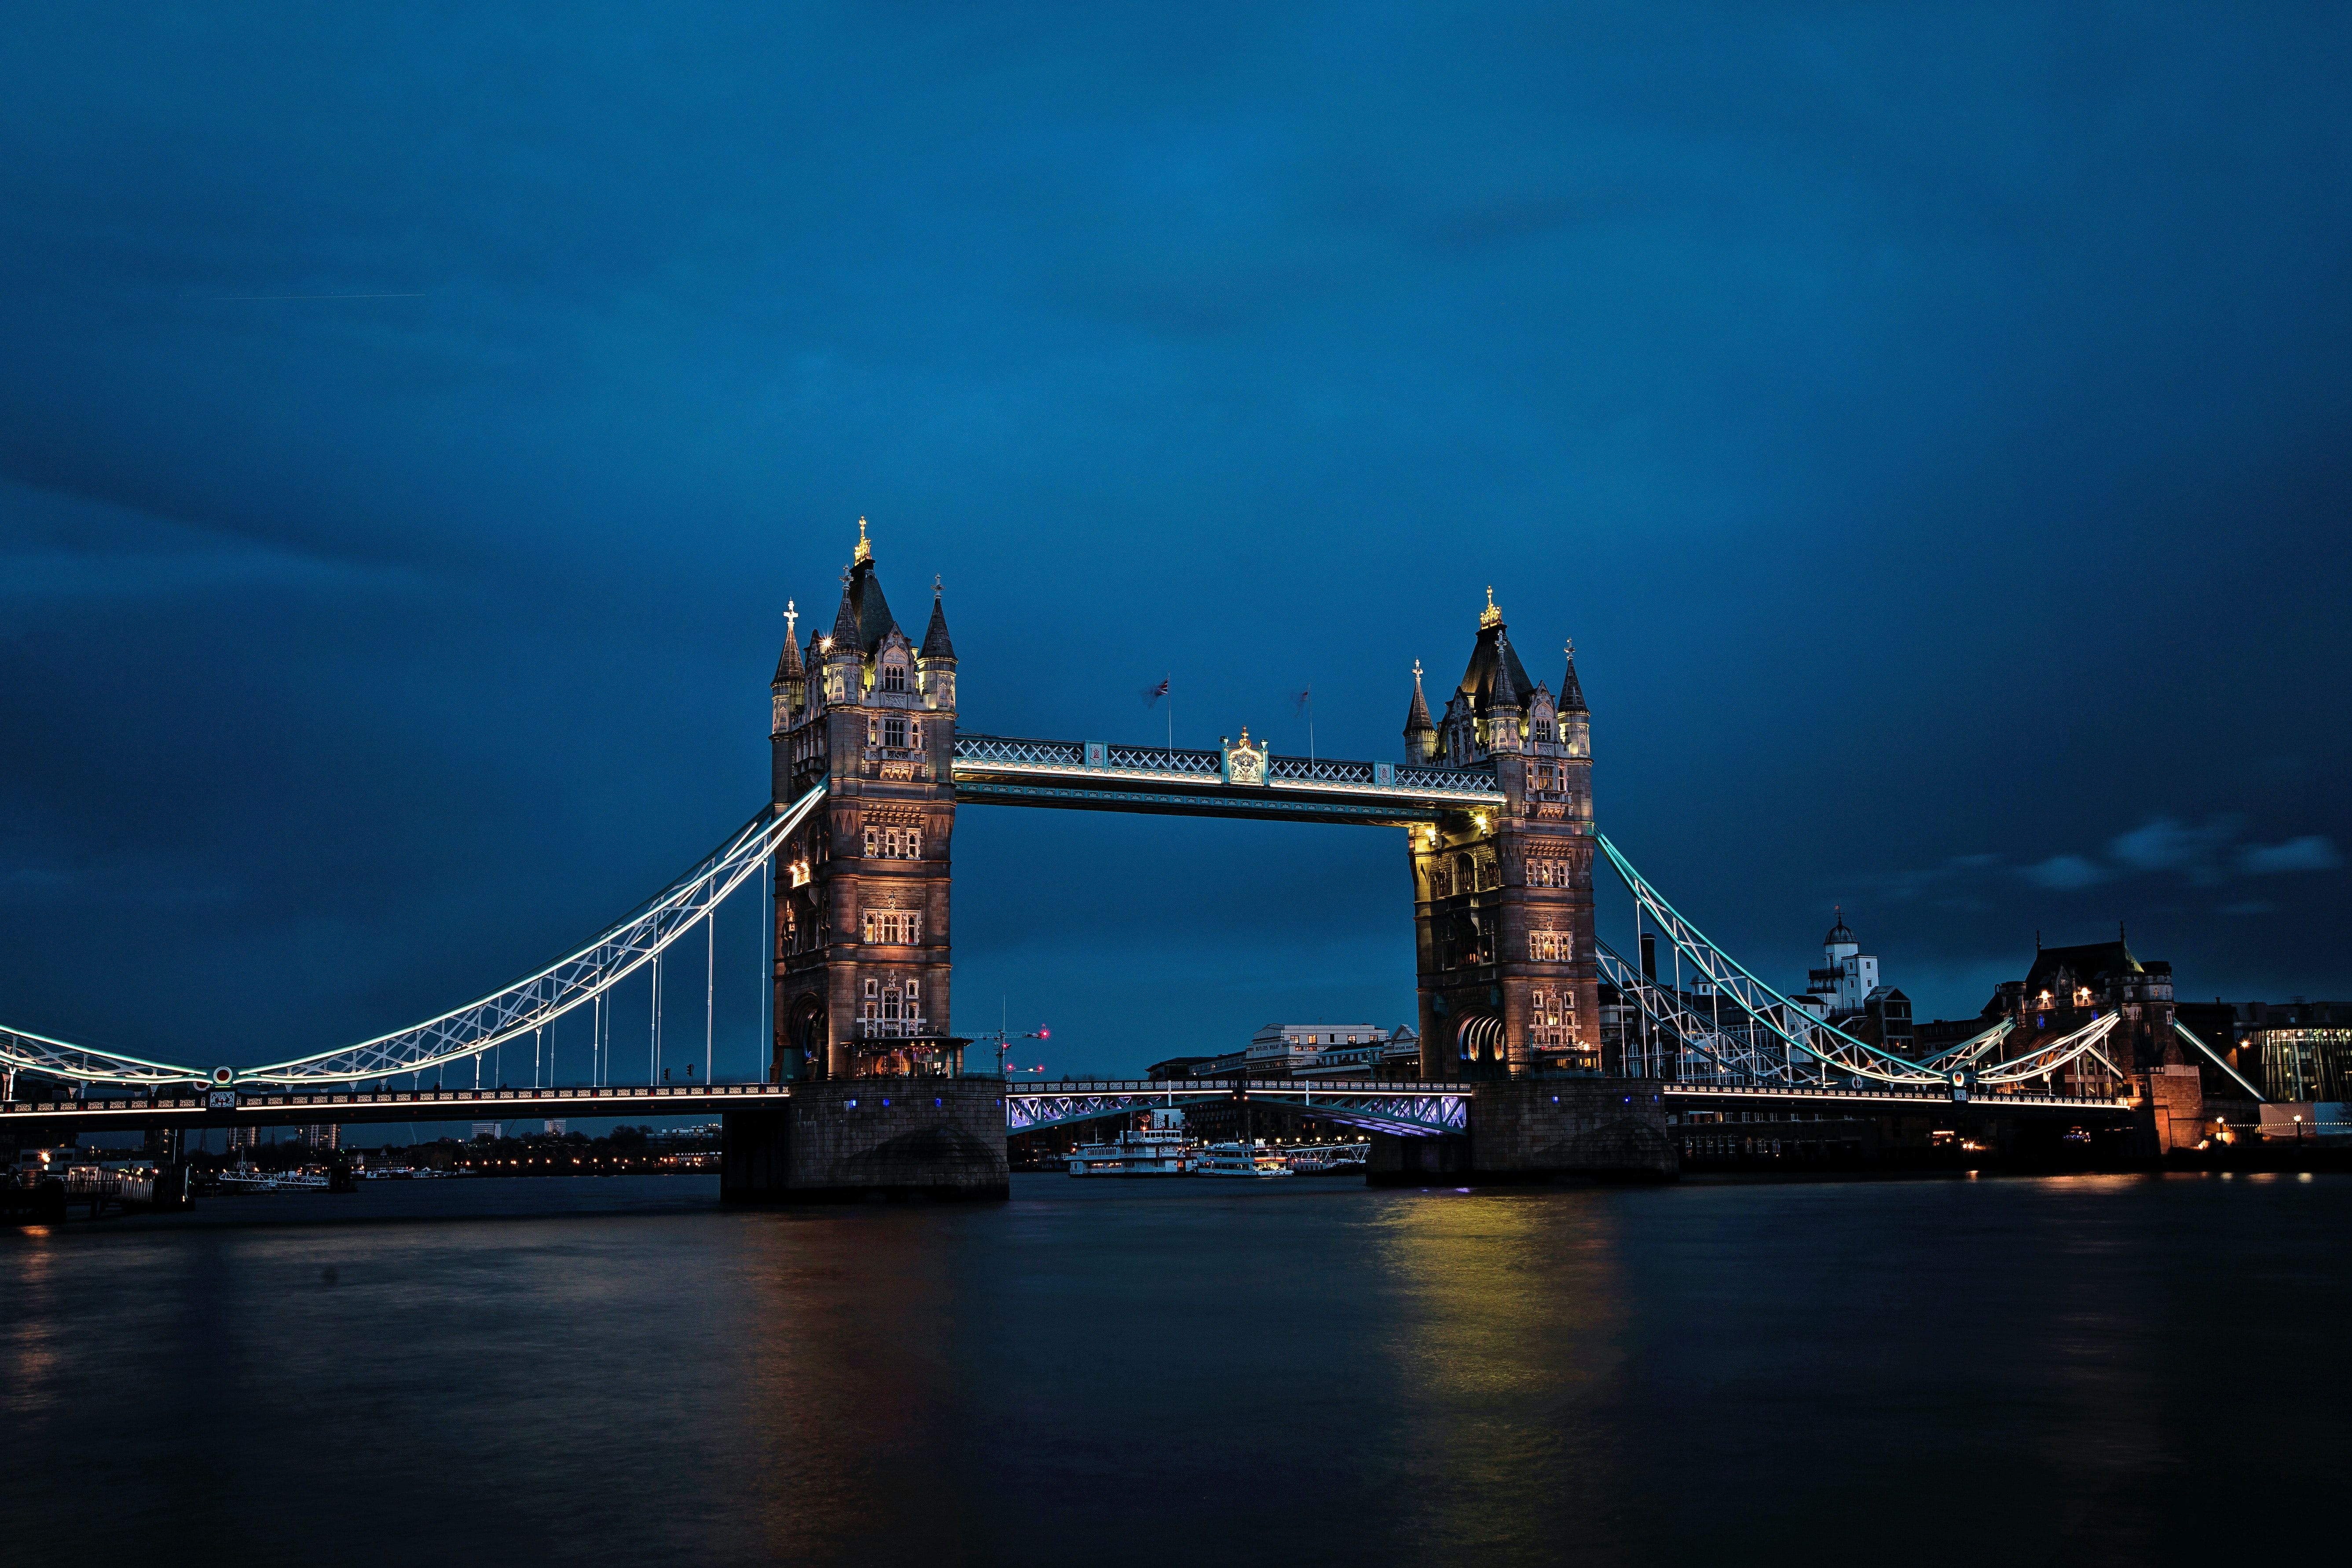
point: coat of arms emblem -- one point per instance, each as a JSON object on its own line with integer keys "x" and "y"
{"x": 1244, "y": 763}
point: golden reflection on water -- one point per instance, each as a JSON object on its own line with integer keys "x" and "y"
{"x": 1508, "y": 1315}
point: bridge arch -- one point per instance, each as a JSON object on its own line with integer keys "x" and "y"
{"x": 1480, "y": 1038}
{"x": 804, "y": 1032}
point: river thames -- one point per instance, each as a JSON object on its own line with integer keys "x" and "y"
{"x": 2087, "y": 1369}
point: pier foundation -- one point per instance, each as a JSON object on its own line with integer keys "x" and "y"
{"x": 1539, "y": 1128}
{"x": 869, "y": 1140}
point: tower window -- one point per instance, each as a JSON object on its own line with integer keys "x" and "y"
{"x": 894, "y": 676}
{"x": 1552, "y": 1019}
{"x": 894, "y": 731}
{"x": 891, "y": 1008}
{"x": 884, "y": 842}
{"x": 892, "y": 928}
{"x": 1543, "y": 729}
{"x": 1550, "y": 947}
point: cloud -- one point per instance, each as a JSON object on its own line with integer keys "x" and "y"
{"x": 2165, "y": 844}
{"x": 2312, "y": 852}
{"x": 2201, "y": 855}
{"x": 2067, "y": 871}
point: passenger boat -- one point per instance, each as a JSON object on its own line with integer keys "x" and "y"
{"x": 1242, "y": 1160}
{"x": 1158, "y": 1148}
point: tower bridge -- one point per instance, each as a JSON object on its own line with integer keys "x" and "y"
{"x": 1537, "y": 1038}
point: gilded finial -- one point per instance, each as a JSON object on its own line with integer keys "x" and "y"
{"x": 1416, "y": 672}
{"x": 1569, "y": 649}
{"x": 791, "y": 620}
{"x": 865, "y": 550}
{"x": 939, "y": 585}
{"x": 1490, "y": 615}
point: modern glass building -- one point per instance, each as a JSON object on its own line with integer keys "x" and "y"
{"x": 2306, "y": 1064}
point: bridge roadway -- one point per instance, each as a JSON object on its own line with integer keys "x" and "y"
{"x": 233, "y": 1108}
{"x": 1410, "y": 1108}
{"x": 1879, "y": 1101}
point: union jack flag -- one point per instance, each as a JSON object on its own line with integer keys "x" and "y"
{"x": 1152, "y": 694}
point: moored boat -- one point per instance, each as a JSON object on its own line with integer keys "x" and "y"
{"x": 1242, "y": 1160}
{"x": 1158, "y": 1148}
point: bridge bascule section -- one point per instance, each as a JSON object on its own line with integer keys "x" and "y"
{"x": 1493, "y": 793}
{"x": 1402, "y": 1109}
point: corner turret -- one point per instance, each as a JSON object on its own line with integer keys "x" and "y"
{"x": 1419, "y": 735}
{"x": 937, "y": 659}
{"x": 842, "y": 654}
{"x": 1504, "y": 706}
{"x": 791, "y": 686}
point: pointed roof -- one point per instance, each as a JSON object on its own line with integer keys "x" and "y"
{"x": 935, "y": 644}
{"x": 1491, "y": 654}
{"x": 875, "y": 621}
{"x": 845, "y": 619}
{"x": 1416, "y": 718}
{"x": 788, "y": 663}
{"x": 1507, "y": 691}
{"x": 868, "y": 611}
{"x": 1572, "y": 691}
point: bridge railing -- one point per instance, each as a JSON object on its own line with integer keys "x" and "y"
{"x": 1207, "y": 766}
{"x": 1157, "y": 760}
{"x": 1024, "y": 753}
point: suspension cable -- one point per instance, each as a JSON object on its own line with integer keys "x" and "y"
{"x": 532, "y": 1002}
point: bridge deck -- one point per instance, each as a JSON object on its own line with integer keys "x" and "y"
{"x": 1410, "y": 1106}
{"x": 1880, "y": 1100}
{"x": 230, "y": 1108}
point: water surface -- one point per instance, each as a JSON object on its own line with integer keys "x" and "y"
{"x": 2091, "y": 1369}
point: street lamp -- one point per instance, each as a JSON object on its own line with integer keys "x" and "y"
{"x": 1004, "y": 1044}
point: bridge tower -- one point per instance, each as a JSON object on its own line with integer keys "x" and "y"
{"x": 861, "y": 910}
{"x": 1503, "y": 895}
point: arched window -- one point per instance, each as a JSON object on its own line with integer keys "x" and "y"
{"x": 894, "y": 675}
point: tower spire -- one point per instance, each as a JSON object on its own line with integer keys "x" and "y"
{"x": 1572, "y": 691}
{"x": 844, "y": 620}
{"x": 936, "y": 642}
{"x": 788, "y": 665}
{"x": 1419, "y": 735}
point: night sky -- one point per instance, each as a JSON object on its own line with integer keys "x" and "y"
{"x": 1933, "y": 425}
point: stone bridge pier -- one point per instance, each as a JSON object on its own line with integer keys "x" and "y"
{"x": 871, "y": 1140}
{"x": 1535, "y": 1129}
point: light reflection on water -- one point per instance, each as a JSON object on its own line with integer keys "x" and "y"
{"x": 2085, "y": 1370}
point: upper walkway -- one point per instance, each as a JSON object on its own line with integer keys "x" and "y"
{"x": 1096, "y": 775}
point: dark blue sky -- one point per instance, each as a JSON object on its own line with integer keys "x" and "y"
{"x": 1933, "y": 426}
